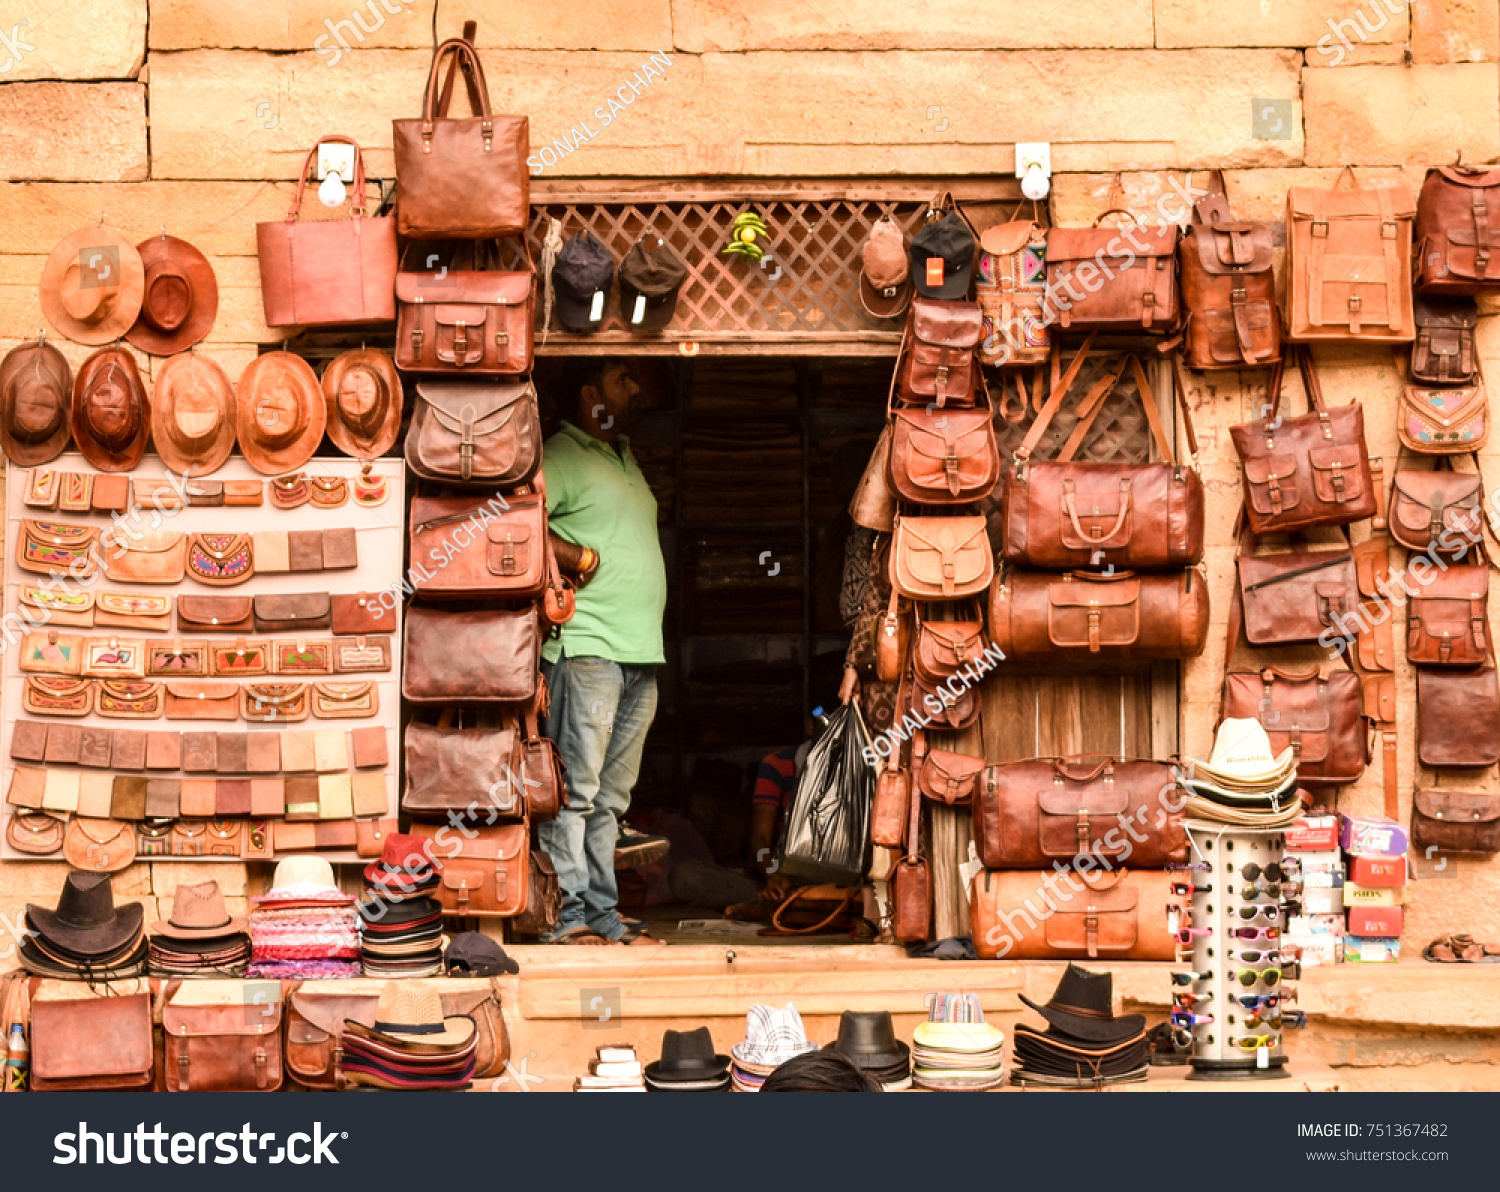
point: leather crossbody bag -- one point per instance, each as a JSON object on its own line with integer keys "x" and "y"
{"x": 942, "y": 647}
{"x": 1094, "y": 916}
{"x": 1447, "y": 620}
{"x": 1458, "y": 716}
{"x": 1228, "y": 288}
{"x": 892, "y": 804}
{"x": 1458, "y": 230}
{"x": 464, "y": 318}
{"x": 1456, "y": 821}
{"x": 543, "y": 773}
{"x": 943, "y": 456}
{"x": 1443, "y": 352}
{"x": 476, "y": 434}
{"x": 485, "y": 873}
{"x": 1447, "y": 420}
{"x": 941, "y": 558}
{"x": 220, "y": 1047}
{"x": 1437, "y": 510}
{"x": 1320, "y": 717}
{"x": 938, "y": 364}
{"x": 466, "y": 547}
{"x": 1292, "y": 597}
{"x": 1135, "y": 291}
{"x": 544, "y": 902}
{"x": 92, "y": 1043}
{"x": 476, "y": 657}
{"x": 911, "y": 881}
{"x": 892, "y": 635}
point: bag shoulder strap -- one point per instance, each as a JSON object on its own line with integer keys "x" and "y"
{"x": 1060, "y": 386}
{"x": 1148, "y": 400}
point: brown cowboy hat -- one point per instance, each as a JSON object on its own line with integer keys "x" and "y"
{"x": 198, "y": 912}
{"x": 180, "y": 300}
{"x": 92, "y": 285}
{"x": 363, "y": 394}
{"x": 192, "y": 414}
{"x": 36, "y": 389}
{"x": 111, "y": 414}
{"x": 279, "y": 413}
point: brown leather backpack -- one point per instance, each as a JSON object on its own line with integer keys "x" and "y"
{"x": 1228, "y": 288}
{"x": 938, "y": 364}
{"x": 1135, "y": 270}
{"x": 1458, "y": 230}
{"x": 1443, "y": 352}
{"x": 1319, "y": 716}
{"x": 1447, "y": 620}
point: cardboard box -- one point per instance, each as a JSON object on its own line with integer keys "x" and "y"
{"x": 1357, "y": 895}
{"x": 1322, "y": 881}
{"x": 1371, "y": 951}
{"x": 1332, "y": 924}
{"x": 1317, "y": 949}
{"x": 1323, "y": 901}
{"x": 1378, "y": 871}
{"x": 1371, "y": 836}
{"x": 1311, "y": 833}
{"x": 1321, "y": 861}
{"x": 1378, "y": 922}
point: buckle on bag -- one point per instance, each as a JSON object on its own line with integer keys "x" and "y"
{"x": 460, "y": 343}
{"x": 1083, "y": 831}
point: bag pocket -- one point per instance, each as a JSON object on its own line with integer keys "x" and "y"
{"x": 1337, "y": 472}
{"x": 1092, "y": 615}
{"x": 1272, "y": 484}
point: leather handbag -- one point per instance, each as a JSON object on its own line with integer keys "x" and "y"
{"x": 480, "y": 657}
{"x": 1458, "y": 716}
{"x": 1458, "y": 230}
{"x": 937, "y": 702}
{"x": 1030, "y": 814}
{"x": 945, "y": 776}
{"x": 227, "y": 1046}
{"x": 214, "y": 614}
{"x": 464, "y": 769}
{"x": 891, "y": 806}
{"x": 292, "y": 612}
{"x": 464, "y": 547}
{"x": 938, "y": 364}
{"x": 1307, "y": 469}
{"x": 1010, "y": 285}
{"x": 1085, "y": 616}
{"x": 1443, "y": 421}
{"x": 1348, "y": 262}
{"x": 1447, "y": 622}
{"x": 543, "y": 773}
{"x": 461, "y": 177}
{"x": 1092, "y": 916}
{"x": 99, "y": 845}
{"x": 144, "y": 557}
{"x": 1291, "y": 597}
{"x": 1138, "y": 287}
{"x": 544, "y": 901}
{"x": 943, "y": 457}
{"x": 479, "y": 434}
{"x": 1456, "y": 821}
{"x": 1228, "y": 288}
{"x": 45, "y": 547}
{"x": 465, "y": 318}
{"x": 911, "y": 882}
{"x": 1437, "y": 510}
{"x": 36, "y": 833}
{"x": 1320, "y": 717}
{"x": 1066, "y": 513}
{"x": 943, "y": 647}
{"x": 102, "y": 1043}
{"x": 1443, "y": 352}
{"x": 328, "y": 272}
{"x": 485, "y": 873}
{"x": 941, "y": 558}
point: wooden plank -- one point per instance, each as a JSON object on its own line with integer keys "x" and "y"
{"x": 1100, "y": 699}
{"x": 973, "y": 191}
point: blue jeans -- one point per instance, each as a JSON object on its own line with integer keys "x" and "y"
{"x": 600, "y": 713}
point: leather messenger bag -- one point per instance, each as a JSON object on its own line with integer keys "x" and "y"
{"x": 1437, "y": 510}
{"x": 486, "y": 873}
{"x": 1135, "y": 270}
{"x": 1447, "y": 620}
{"x": 92, "y": 1043}
{"x": 1025, "y": 914}
{"x": 475, "y": 434}
{"x": 1028, "y": 814}
{"x": 1066, "y": 513}
{"x": 1228, "y": 288}
{"x": 1320, "y": 717}
{"x": 489, "y": 656}
{"x": 216, "y": 1043}
{"x": 464, "y": 548}
{"x": 466, "y": 317}
{"x": 1291, "y": 597}
{"x": 459, "y": 769}
{"x": 943, "y": 456}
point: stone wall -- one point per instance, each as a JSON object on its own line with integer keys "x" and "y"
{"x": 193, "y": 115}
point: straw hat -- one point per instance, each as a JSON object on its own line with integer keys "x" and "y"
{"x": 180, "y": 299}
{"x": 92, "y": 285}
{"x": 414, "y": 1014}
{"x": 1242, "y": 756}
{"x": 280, "y": 414}
{"x": 111, "y": 415}
{"x": 362, "y": 391}
{"x": 192, "y": 414}
{"x": 307, "y": 870}
{"x": 36, "y": 394}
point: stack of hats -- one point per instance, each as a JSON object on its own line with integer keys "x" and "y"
{"x": 305, "y": 927}
{"x": 688, "y": 1064}
{"x": 403, "y": 924}
{"x": 1085, "y": 1045}
{"x": 870, "y": 1041}
{"x": 773, "y": 1035}
{"x": 955, "y": 1050}
{"x": 88, "y": 937}
{"x": 200, "y": 938}
{"x": 412, "y": 1046}
{"x": 1242, "y": 783}
{"x": 614, "y": 1069}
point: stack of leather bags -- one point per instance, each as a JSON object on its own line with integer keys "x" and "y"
{"x": 200, "y": 938}
{"x": 304, "y": 927}
{"x": 411, "y": 1047}
{"x": 87, "y": 937}
{"x": 1085, "y": 1044}
{"x": 955, "y": 1050}
{"x": 402, "y": 925}
{"x": 1242, "y": 783}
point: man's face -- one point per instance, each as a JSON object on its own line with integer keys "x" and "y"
{"x": 610, "y": 405}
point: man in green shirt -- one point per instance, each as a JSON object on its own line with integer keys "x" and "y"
{"x": 601, "y": 670}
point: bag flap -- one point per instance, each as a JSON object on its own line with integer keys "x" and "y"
{"x": 946, "y": 324}
{"x": 62, "y": 601}
{"x": 487, "y": 405}
{"x": 1141, "y": 240}
{"x": 1234, "y": 247}
{"x": 1095, "y": 798}
{"x": 1309, "y": 202}
{"x": 1448, "y": 489}
{"x": 344, "y": 692}
{"x": 1117, "y": 900}
{"x": 209, "y": 610}
{"x": 1346, "y": 457}
{"x": 1007, "y": 239}
{"x": 1460, "y": 176}
{"x": 498, "y": 844}
{"x": 1465, "y": 582}
{"x": 1447, "y": 407}
{"x": 1259, "y": 469}
{"x": 1457, "y": 807}
{"x": 186, "y": 1022}
{"x": 1432, "y": 313}
{"x": 58, "y": 533}
{"x": 108, "y": 1036}
{"x": 467, "y": 286}
{"x": 294, "y": 606}
{"x": 508, "y": 531}
{"x": 327, "y": 1012}
{"x": 942, "y": 534}
{"x": 148, "y": 542}
{"x": 195, "y": 690}
{"x": 1092, "y": 593}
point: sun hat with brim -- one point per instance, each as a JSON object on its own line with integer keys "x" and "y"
{"x": 362, "y": 397}
{"x": 86, "y": 919}
{"x": 198, "y": 911}
{"x": 869, "y": 1039}
{"x": 1242, "y": 753}
{"x": 413, "y": 1014}
{"x": 36, "y": 394}
{"x": 180, "y": 299}
{"x": 280, "y": 413}
{"x": 957, "y": 1036}
{"x": 1271, "y": 795}
{"x": 192, "y": 414}
{"x": 719, "y": 1085}
{"x": 111, "y": 415}
{"x": 92, "y": 285}
{"x": 1082, "y": 1006}
{"x": 773, "y": 1035}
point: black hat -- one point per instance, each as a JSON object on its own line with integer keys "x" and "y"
{"x": 649, "y": 281}
{"x": 688, "y": 1057}
{"x": 869, "y": 1039}
{"x": 476, "y": 955}
{"x": 86, "y": 920}
{"x": 952, "y": 240}
{"x": 1082, "y": 1006}
{"x": 580, "y": 282}
{"x": 1054, "y": 1055}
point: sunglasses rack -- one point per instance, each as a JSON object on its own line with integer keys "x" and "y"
{"x": 1222, "y": 895}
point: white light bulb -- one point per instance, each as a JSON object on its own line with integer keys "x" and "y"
{"x": 1035, "y": 185}
{"x": 331, "y": 192}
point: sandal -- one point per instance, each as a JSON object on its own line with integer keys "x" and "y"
{"x": 641, "y": 936}
{"x": 582, "y": 934}
{"x": 1461, "y": 948}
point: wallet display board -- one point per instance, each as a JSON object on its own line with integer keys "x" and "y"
{"x": 221, "y": 674}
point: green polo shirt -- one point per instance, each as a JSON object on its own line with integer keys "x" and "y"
{"x": 597, "y": 497}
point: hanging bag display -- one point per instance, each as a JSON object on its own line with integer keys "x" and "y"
{"x": 462, "y": 313}
{"x": 1228, "y": 288}
{"x": 1458, "y": 230}
{"x": 1133, "y": 271}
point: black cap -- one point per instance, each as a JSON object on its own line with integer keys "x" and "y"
{"x": 649, "y": 281}
{"x": 951, "y": 239}
{"x": 477, "y": 955}
{"x": 584, "y": 268}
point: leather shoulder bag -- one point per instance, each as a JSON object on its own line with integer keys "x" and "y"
{"x": 483, "y": 874}
{"x": 943, "y": 646}
{"x": 1133, "y": 271}
{"x": 483, "y": 434}
{"x": 1444, "y": 420}
{"x": 464, "y": 769}
{"x": 1437, "y": 510}
{"x": 463, "y": 317}
{"x": 468, "y": 547}
{"x": 1456, "y": 821}
{"x": 544, "y": 902}
{"x": 93, "y": 1043}
{"x": 938, "y": 364}
{"x": 943, "y": 457}
{"x": 1458, "y": 716}
{"x": 911, "y": 881}
{"x": 1023, "y": 914}
{"x": 490, "y": 656}
{"x": 543, "y": 773}
{"x": 1458, "y": 230}
{"x": 941, "y": 558}
{"x": 219, "y": 1045}
{"x": 891, "y": 805}
{"x": 1321, "y": 717}
{"x": 1291, "y": 597}
{"x": 1447, "y": 620}
{"x": 1443, "y": 352}
{"x": 1228, "y": 288}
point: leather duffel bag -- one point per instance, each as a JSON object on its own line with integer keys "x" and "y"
{"x": 1028, "y": 814}
{"x": 1066, "y": 513}
{"x": 1443, "y": 352}
{"x": 1320, "y": 717}
{"x": 1138, "y": 287}
{"x": 464, "y": 548}
{"x": 1437, "y": 510}
{"x": 1447, "y": 620}
{"x": 479, "y": 770}
{"x": 1456, "y": 821}
{"x": 1458, "y": 716}
{"x": 1228, "y": 288}
{"x": 489, "y": 656}
{"x": 941, "y": 558}
{"x": 215, "y": 1042}
{"x": 468, "y": 316}
{"x": 1087, "y": 616}
{"x": 938, "y": 364}
{"x": 1024, "y": 914}
{"x": 92, "y": 1043}
{"x": 486, "y": 873}
{"x": 475, "y": 434}
{"x": 1458, "y": 230}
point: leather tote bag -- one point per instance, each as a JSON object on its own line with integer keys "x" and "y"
{"x": 938, "y": 365}
{"x": 461, "y": 177}
{"x": 1458, "y": 231}
{"x": 1065, "y": 513}
{"x": 489, "y": 656}
{"x": 1119, "y": 915}
{"x": 1308, "y": 469}
{"x": 1319, "y": 716}
{"x": 1458, "y": 716}
{"x": 328, "y": 272}
{"x": 1228, "y": 288}
{"x": 1136, "y": 289}
{"x": 467, "y": 316}
{"x": 475, "y": 434}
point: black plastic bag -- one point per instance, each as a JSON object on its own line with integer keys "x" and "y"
{"x": 827, "y": 835}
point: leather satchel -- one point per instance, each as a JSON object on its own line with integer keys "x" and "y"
{"x": 948, "y": 777}
{"x": 1308, "y": 469}
{"x": 1135, "y": 271}
{"x": 1065, "y": 513}
{"x": 543, "y": 773}
{"x": 1029, "y": 814}
{"x": 36, "y": 833}
{"x": 1320, "y": 717}
{"x": 230, "y": 1047}
{"x": 1447, "y": 622}
{"x": 1348, "y": 260}
{"x": 92, "y": 1043}
{"x": 941, "y": 558}
{"x": 1084, "y": 616}
{"x": 461, "y": 177}
{"x": 890, "y": 806}
{"x": 1437, "y": 510}
{"x": 911, "y": 882}
{"x": 944, "y": 647}
{"x": 145, "y": 557}
{"x": 478, "y": 657}
{"x": 1458, "y": 230}
{"x": 1443, "y": 352}
{"x": 478, "y": 434}
{"x": 1228, "y": 288}
{"x": 483, "y": 874}
{"x": 464, "y": 547}
{"x": 1458, "y": 716}
{"x": 1291, "y": 598}
{"x": 943, "y": 457}
{"x": 938, "y": 365}
{"x": 328, "y": 272}
{"x": 464, "y": 318}
{"x": 1092, "y": 916}
{"x": 477, "y": 770}
{"x": 1456, "y": 821}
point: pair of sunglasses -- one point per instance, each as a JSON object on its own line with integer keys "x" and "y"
{"x": 1185, "y": 1019}
{"x": 1254, "y": 1001}
{"x": 1255, "y": 933}
{"x": 1189, "y": 978}
{"x": 1272, "y": 872}
{"x": 1270, "y": 977}
{"x": 1280, "y": 1019}
{"x": 1255, "y": 1042}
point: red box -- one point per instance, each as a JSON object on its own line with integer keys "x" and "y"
{"x": 1380, "y": 922}
{"x": 1377, "y": 871}
{"x": 1312, "y": 833}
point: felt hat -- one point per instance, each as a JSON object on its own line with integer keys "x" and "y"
{"x": 280, "y": 413}
{"x": 192, "y": 414}
{"x": 86, "y": 920}
{"x": 36, "y": 393}
{"x": 885, "y": 271}
{"x": 180, "y": 299}
{"x": 869, "y": 1039}
{"x": 111, "y": 415}
{"x": 198, "y": 912}
{"x": 362, "y": 393}
{"x": 92, "y": 285}
{"x": 414, "y": 1014}
{"x": 688, "y": 1057}
{"x": 1082, "y": 1006}
{"x": 650, "y": 279}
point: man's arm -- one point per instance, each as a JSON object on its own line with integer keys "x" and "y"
{"x": 581, "y": 562}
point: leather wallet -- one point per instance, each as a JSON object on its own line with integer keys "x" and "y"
{"x": 41, "y": 489}
{"x": 330, "y": 750}
{"x": 267, "y": 797}
{"x": 271, "y": 552}
{"x": 62, "y": 745}
{"x": 262, "y": 753}
{"x": 361, "y": 613}
{"x": 297, "y": 612}
{"x": 302, "y": 798}
{"x": 370, "y": 794}
{"x": 28, "y": 741}
{"x": 340, "y": 549}
{"x": 233, "y": 797}
{"x": 370, "y": 834}
{"x": 26, "y": 786}
{"x": 163, "y": 798}
{"x": 207, "y": 493}
{"x": 111, "y": 493}
{"x": 291, "y": 837}
{"x": 243, "y": 492}
{"x": 297, "y": 753}
{"x": 369, "y": 747}
{"x": 76, "y": 493}
{"x": 199, "y": 797}
{"x": 95, "y": 795}
{"x": 256, "y": 840}
{"x": 215, "y": 614}
{"x": 129, "y": 749}
{"x": 131, "y": 610}
{"x": 200, "y": 753}
{"x": 96, "y": 746}
{"x": 128, "y": 799}
{"x": 336, "y": 834}
{"x": 240, "y": 659}
{"x": 356, "y": 655}
{"x": 233, "y": 753}
{"x": 60, "y": 792}
{"x": 199, "y": 700}
{"x": 163, "y": 751}
{"x": 305, "y": 550}
{"x": 335, "y": 797}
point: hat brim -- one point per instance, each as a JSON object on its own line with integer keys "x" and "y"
{"x": 203, "y": 460}
{"x": 30, "y": 455}
{"x": 89, "y": 447}
{"x": 717, "y": 1070}
{"x": 456, "y": 1032}
{"x": 343, "y": 435}
{"x": 877, "y": 305}
{"x": 1093, "y": 1030}
{"x": 127, "y": 303}
{"x": 235, "y": 926}
{"x": 277, "y": 461}
{"x": 104, "y": 937}
{"x": 875, "y": 1061}
{"x": 201, "y": 314}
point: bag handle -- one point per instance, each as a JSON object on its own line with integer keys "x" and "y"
{"x": 782, "y": 929}
{"x": 1060, "y": 387}
{"x": 461, "y": 65}
{"x": 1108, "y": 211}
{"x": 357, "y": 207}
{"x": 1213, "y": 208}
{"x": 465, "y": 54}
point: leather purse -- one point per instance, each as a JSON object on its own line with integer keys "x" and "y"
{"x": 462, "y": 547}
{"x": 1010, "y": 286}
{"x": 51, "y": 653}
{"x": 274, "y": 703}
{"x": 484, "y": 874}
{"x": 328, "y": 272}
{"x": 544, "y": 901}
{"x": 1458, "y": 716}
{"x": 891, "y": 637}
{"x": 937, "y": 702}
{"x": 911, "y": 882}
{"x": 214, "y": 614}
{"x": 114, "y": 658}
{"x": 947, "y": 777}
{"x": 345, "y": 701}
{"x": 1456, "y": 821}
{"x": 129, "y": 699}
{"x": 360, "y": 655}
{"x": 301, "y": 657}
{"x": 148, "y": 557}
{"x": 92, "y": 1043}
{"x": 1320, "y": 717}
{"x": 543, "y": 773}
{"x": 941, "y": 558}
{"x": 99, "y": 845}
{"x": 464, "y": 318}
{"x": 475, "y": 433}
{"x": 220, "y": 560}
{"x": 1443, "y": 421}
{"x": 45, "y": 547}
{"x": 1348, "y": 262}
{"x": 57, "y": 695}
{"x": 943, "y": 457}
{"x": 1086, "y": 616}
{"x": 1030, "y": 814}
{"x": 464, "y": 769}
{"x": 1308, "y": 469}
{"x": 301, "y": 612}
{"x": 189, "y": 838}
{"x": 484, "y": 657}
{"x": 1458, "y": 230}
{"x": 370, "y": 834}
{"x": 169, "y": 658}
{"x": 35, "y": 833}
{"x": 941, "y": 648}
{"x": 1138, "y": 290}
{"x": 222, "y": 1047}
{"x": 129, "y": 610}
{"x": 1095, "y": 916}
{"x": 1447, "y": 622}
{"x": 1065, "y": 513}
{"x": 891, "y": 806}
{"x": 58, "y": 607}
{"x": 187, "y": 700}
{"x": 1435, "y": 509}
{"x": 241, "y": 659}
{"x": 1443, "y": 352}
{"x": 360, "y": 612}
{"x": 938, "y": 365}
{"x": 1228, "y": 288}
{"x": 461, "y": 178}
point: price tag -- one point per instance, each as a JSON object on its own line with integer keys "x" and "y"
{"x": 596, "y": 307}
{"x": 639, "y": 312}
{"x": 1262, "y": 1056}
{"x": 935, "y": 271}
